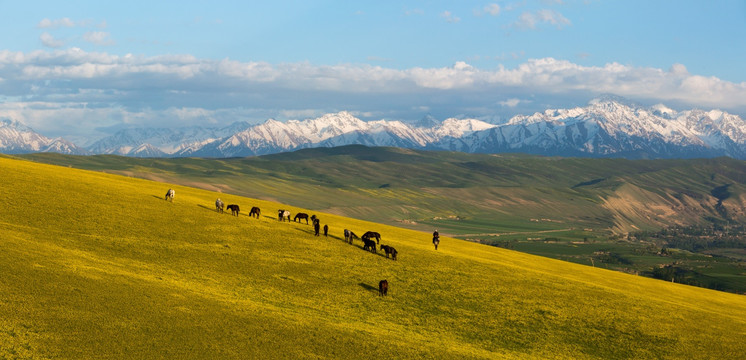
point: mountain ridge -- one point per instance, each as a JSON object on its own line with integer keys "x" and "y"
{"x": 606, "y": 127}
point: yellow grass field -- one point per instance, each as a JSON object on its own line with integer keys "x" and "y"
{"x": 98, "y": 266}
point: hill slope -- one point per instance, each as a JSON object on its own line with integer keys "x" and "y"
{"x": 96, "y": 265}
{"x": 486, "y": 193}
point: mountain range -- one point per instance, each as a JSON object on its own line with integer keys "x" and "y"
{"x": 605, "y": 127}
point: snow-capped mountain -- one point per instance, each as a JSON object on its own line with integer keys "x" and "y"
{"x": 612, "y": 128}
{"x": 606, "y": 127}
{"x": 17, "y": 138}
{"x": 329, "y": 130}
{"x": 158, "y": 142}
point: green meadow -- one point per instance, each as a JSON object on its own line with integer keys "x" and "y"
{"x": 96, "y": 265}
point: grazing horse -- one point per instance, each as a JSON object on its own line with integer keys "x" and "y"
{"x": 300, "y": 216}
{"x": 369, "y": 245}
{"x": 326, "y": 230}
{"x": 283, "y": 214}
{"x": 255, "y": 211}
{"x": 170, "y": 195}
{"x": 313, "y": 217}
{"x": 372, "y": 234}
{"x": 349, "y": 235}
{"x": 389, "y": 251}
{"x": 383, "y": 287}
{"x": 234, "y": 209}
{"x": 219, "y": 205}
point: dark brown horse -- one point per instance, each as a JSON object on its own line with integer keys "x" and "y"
{"x": 255, "y": 211}
{"x": 300, "y": 216}
{"x": 383, "y": 287}
{"x": 372, "y": 234}
{"x": 233, "y": 208}
{"x": 389, "y": 250}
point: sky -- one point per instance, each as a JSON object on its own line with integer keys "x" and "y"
{"x": 85, "y": 69}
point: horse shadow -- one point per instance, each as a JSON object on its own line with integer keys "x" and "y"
{"x": 369, "y": 287}
{"x": 207, "y": 207}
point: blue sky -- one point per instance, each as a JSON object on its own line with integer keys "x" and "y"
{"x": 81, "y": 69}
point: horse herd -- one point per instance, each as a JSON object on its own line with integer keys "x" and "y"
{"x": 283, "y": 215}
{"x": 235, "y": 209}
{"x": 368, "y": 243}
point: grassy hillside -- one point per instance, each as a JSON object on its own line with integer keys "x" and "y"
{"x": 100, "y": 266}
{"x": 465, "y": 195}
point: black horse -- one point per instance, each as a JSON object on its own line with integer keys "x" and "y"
{"x": 255, "y": 211}
{"x": 389, "y": 250}
{"x": 326, "y": 230}
{"x": 233, "y": 208}
{"x": 316, "y": 227}
{"x": 300, "y": 216}
{"x": 369, "y": 245}
{"x": 372, "y": 234}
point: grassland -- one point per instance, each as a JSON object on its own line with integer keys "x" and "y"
{"x": 461, "y": 194}
{"x": 565, "y": 208}
{"x": 96, "y": 265}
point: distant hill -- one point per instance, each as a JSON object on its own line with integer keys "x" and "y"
{"x": 95, "y": 265}
{"x": 463, "y": 193}
{"x": 607, "y": 127}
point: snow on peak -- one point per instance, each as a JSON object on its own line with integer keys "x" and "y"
{"x": 607, "y": 125}
{"x": 459, "y": 127}
{"x": 715, "y": 114}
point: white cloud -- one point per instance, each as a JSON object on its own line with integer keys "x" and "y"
{"x": 510, "y": 102}
{"x": 300, "y": 114}
{"x": 449, "y": 17}
{"x": 53, "y": 24}
{"x": 678, "y": 69}
{"x": 492, "y": 9}
{"x": 98, "y": 38}
{"x": 530, "y": 20}
{"x": 49, "y": 41}
{"x": 85, "y": 90}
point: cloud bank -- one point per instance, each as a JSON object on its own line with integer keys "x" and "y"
{"x": 90, "y": 92}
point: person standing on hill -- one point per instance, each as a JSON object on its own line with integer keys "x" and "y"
{"x": 436, "y": 239}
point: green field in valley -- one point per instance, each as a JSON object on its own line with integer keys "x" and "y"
{"x": 96, "y": 265}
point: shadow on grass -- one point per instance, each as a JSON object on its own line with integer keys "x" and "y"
{"x": 212, "y": 209}
{"x": 369, "y": 287}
